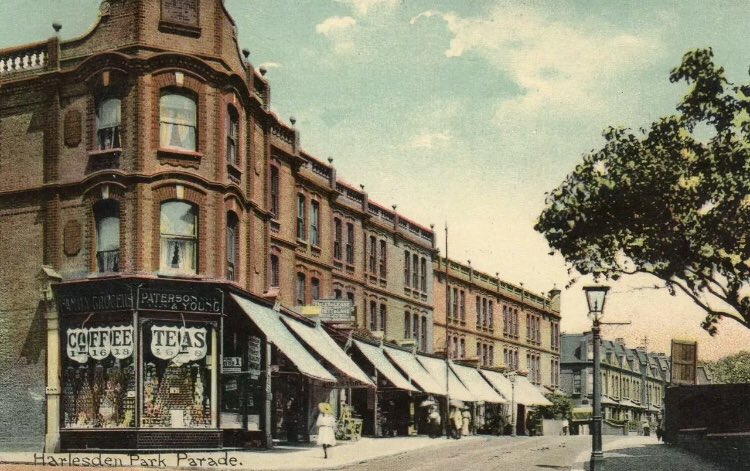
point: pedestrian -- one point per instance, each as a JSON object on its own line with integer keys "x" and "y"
{"x": 466, "y": 422}
{"x": 326, "y": 424}
{"x": 659, "y": 432}
{"x": 456, "y": 422}
{"x": 565, "y": 425}
{"x": 433, "y": 421}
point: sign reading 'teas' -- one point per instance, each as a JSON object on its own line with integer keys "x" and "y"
{"x": 179, "y": 344}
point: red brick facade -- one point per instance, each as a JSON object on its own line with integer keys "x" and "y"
{"x": 53, "y": 174}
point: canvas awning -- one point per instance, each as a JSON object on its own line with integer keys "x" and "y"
{"x": 269, "y": 322}
{"x": 456, "y": 389}
{"x": 500, "y": 383}
{"x": 609, "y": 402}
{"x": 581, "y": 414}
{"x": 629, "y": 403}
{"x": 319, "y": 340}
{"x": 377, "y": 357}
{"x": 477, "y": 385}
{"x": 530, "y": 396}
{"x": 414, "y": 370}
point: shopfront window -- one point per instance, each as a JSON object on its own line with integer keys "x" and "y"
{"x": 98, "y": 383}
{"x": 177, "y": 375}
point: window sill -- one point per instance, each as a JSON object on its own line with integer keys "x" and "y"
{"x": 106, "y": 159}
{"x": 234, "y": 173}
{"x": 302, "y": 243}
{"x": 275, "y": 225}
{"x": 177, "y": 28}
{"x": 179, "y": 157}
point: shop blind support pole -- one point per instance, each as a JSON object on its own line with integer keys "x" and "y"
{"x": 447, "y": 341}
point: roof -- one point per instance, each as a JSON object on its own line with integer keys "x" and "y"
{"x": 570, "y": 348}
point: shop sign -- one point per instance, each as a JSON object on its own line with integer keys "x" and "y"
{"x": 100, "y": 300}
{"x": 179, "y": 344}
{"x": 232, "y": 365}
{"x": 99, "y": 342}
{"x": 253, "y": 355}
{"x": 335, "y": 310}
{"x": 188, "y": 301}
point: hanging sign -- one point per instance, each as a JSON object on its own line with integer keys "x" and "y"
{"x": 179, "y": 344}
{"x": 99, "y": 342}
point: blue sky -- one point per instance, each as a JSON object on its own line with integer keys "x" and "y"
{"x": 468, "y": 111}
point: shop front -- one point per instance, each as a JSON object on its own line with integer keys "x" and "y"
{"x": 139, "y": 364}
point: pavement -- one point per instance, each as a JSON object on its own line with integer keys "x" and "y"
{"x": 343, "y": 455}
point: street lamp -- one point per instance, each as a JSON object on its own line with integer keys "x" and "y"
{"x": 512, "y": 379}
{"x": 595, "y": 297}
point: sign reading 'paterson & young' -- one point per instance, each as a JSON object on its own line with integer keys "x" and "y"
{"x": 163, "y": 300}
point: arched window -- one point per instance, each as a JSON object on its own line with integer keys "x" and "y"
{"x": 373, "y": 316}
{"x": 373, "y": 254}
{"x": 179, "y": 237}
{"x": 407, "y": 268}
{"x": 383, "y": 260}
{"x": 315, "y": 288}
{"x": 300, "y": 289}
{"x": 177, "y": 121}
{"x": 424, "y": 333}
{"x": 233, "y": 131}
{"x": 232, "y": 236}
{"x": 300, "y": 216}
{"x": 349, "y": 243}
{"x": 337, "y": 238}
{"x": 415, "y": 271}
{"x": 274, "y": 281}
{"x": 423, "y": 275}
{"x": 315, "y": 223}
{"x": 407, "y": 325}
{"x": 108, "y": 124}
{"x": 415, "y": 327}
{"x": 274, "y": 190}
{"x": 107, "y": 217}
{"x": 383, "y": 317}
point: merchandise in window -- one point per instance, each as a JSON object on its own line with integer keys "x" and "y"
{"x": 176, "y": 375}
{"x": 98, "y": 377}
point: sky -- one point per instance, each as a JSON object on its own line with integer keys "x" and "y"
{"x": 466, "y": 111}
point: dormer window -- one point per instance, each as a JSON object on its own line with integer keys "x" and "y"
{"x": 108, "y": 124}
{"x": 177, "y": 121}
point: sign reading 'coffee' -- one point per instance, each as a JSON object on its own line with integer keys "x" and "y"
{"x": 99, "y": 342}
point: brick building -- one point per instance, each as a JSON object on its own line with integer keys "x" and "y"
{"x": 496, "y": 324}
{"x": 142, "y": 167}
{"x": 633, "y": 382}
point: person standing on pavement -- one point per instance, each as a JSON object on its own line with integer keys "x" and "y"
{"x": 433, "y": 421}
{"x": 326, "y": 424}
{"x": 466, "y": 422}
{"x": 456, "y": 422}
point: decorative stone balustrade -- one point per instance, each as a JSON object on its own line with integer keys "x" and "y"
{"x": 20, "y": 60}
{"x": 320, "y": 169}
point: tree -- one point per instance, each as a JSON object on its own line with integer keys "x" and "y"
{"x": 671, "y": 200}
{"x": 731, "y": 369}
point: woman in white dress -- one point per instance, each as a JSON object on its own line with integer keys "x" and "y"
{"x": 326, "y": 424}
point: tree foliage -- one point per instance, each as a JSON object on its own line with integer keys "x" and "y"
{"x": 671, "y": 200}
{"x": 561, "y": 408}
{"x": 731, "y": 369}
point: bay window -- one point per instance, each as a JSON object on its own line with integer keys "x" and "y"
{"x": 177, "y": 121}
{"x": 107, "y": 218}
{"x": 108, "y": 124}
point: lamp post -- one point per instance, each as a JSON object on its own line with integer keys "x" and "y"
{"x": 595, "y": 297}
{"x": 512, "y": 379}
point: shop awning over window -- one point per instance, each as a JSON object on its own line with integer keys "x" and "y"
{"x": 528, "y": 395}
{"x": 269, "y": 322}
{"x": 384, "y": 367}
{"x": 477, "y": 385}
{"x": 606, "y": 401}
{"x": 319, "y": 340}
{"x": 581, "y": 414}
{"x": 409, "y": 365}
{"x": 500, "y": 383}
{"x": 456, "y": 389}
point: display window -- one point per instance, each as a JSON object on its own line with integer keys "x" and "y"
{"x": 177, "y": 374}
{"x": 98, "y": 383}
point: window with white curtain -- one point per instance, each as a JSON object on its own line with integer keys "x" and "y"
{"x": 177, "y": 118}
{"x": 108, "y": 124}
{"x": 107, "y": 217}
{"x": 179, "y": 237}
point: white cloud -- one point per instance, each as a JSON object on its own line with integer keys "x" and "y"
{"x": 560, "y": 69}
{"x": 338, "y": 29}
{"x": 364, "y": 7}
{"x": 429, "y": 140}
